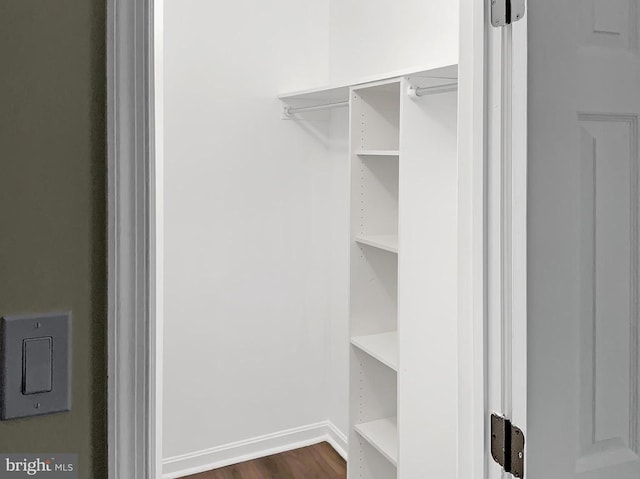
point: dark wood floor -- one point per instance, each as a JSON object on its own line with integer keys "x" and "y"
{"x": 314, "y": 462}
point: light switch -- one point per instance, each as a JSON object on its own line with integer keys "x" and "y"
{"x": 36, "y": 365}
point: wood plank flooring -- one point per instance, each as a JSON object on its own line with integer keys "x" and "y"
{"x": 320, "y": 461}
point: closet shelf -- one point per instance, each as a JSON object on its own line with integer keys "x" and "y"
{"x": 387, "y": 153}
{"x": 384, "y": 242}
{"x": 383, "y": 436}
{"x": 383, "y": 347}
{"x": 427, "y": 76}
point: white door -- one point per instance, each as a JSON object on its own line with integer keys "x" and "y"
{"x": 579, "y": 351}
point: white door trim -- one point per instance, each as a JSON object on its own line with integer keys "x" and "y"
{"x": 472, "y": 152}
{"x": 134, "y": 120}
{"x": 484, "y": 224}
{"x": 506, "y": 335}
{"x": 518, "y": 226}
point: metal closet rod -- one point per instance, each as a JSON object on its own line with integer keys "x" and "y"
{"x": 432, "y": 90}
{"x": 289, "y": 110}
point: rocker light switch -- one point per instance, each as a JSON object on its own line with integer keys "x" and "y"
{"x": 36, "y": 365}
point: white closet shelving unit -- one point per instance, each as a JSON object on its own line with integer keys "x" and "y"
{"x": 403, "y": 262}
{"x": 375, "y": 129}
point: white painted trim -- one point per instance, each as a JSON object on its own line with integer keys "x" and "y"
{"x": 254, "y": 448}
{"x": 507, "y": 228}
{"x": 519, "y": 379}
{"x": 156, "y": 253}
{"x": 134, "y": 360}
{"x": 338, "y": 440}
{"x": 472, "y": 151}
{"x": 493, "y": 237}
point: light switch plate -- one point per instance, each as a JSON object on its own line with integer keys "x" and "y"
{"x": 22, "y": 370}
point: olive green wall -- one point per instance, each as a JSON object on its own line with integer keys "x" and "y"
{"x": 53, "y": 204}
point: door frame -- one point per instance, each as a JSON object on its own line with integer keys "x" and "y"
{"x": 492, "y": 260}
{"x": 135, "y": 239}
{"x": 135, "y": 180}
{"x": 506, "y": 234}
{"x": 472, "y": 158}
{"x": 518, "y": 224}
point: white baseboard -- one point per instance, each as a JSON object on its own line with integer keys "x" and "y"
{"x": 254, "y": 448}
{"x": 337, "y": 439}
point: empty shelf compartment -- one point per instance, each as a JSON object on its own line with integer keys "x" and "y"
{"x": 383, "y": 347}
{"x": 383, "y": 436}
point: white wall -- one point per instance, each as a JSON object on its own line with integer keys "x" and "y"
{"x": 337, "y": 363}
{"x": 369, "y": 37}
{"x": 245, "y": 227}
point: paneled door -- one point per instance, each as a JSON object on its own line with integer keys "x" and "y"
{"x": 582, "y": 241}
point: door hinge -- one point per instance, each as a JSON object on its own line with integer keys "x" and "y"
{"x": 507, "y": 445}
{"x": 506, "y": 12}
